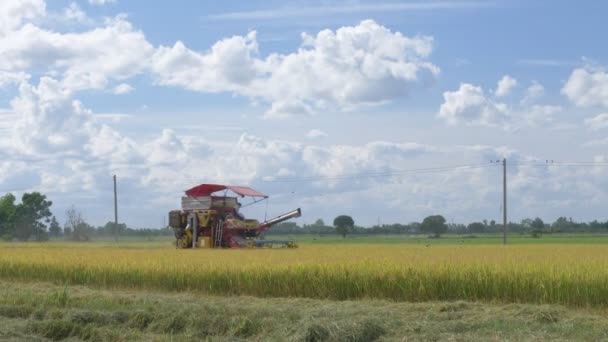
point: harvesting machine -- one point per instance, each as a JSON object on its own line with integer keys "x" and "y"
{"x": 212, "y": 221}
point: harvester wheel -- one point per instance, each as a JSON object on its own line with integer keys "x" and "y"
{"x": 250, "y": 244}
{"x": 182, "y": 243}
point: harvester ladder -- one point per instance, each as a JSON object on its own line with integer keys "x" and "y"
{"x": 219, "y": 232}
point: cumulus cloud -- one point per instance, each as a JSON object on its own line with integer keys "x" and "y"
{"x": 86, "y": 60}
{"x": 587, "y": 87}
{"x": 597, "y": 122}
{"x": 342, "y": 69}
{"x": 51, "y": 142}
{"x": 316, "y": 133}
{"x": 51, "y": 123}
{"x": 345, "y": 68}
{"x": 122, "y": 89}
{"x": 534, "y": 92}
{"x": 74, "y": 13}
{"x": 9, "y": 78}
{"x": 82, "y": 154}
{"x": 229, "y": 65}
{"x": 101, "y": 2}
{"x": 471, "y": 105}
{"x": 13, "y": 13}
{"x": 505, "y": 85}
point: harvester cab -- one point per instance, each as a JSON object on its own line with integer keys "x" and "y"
{"x": 212, "y": 221}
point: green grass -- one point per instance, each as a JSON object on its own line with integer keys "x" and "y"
{"x": 48, "y": 312}
{"x": 449, "y": 239}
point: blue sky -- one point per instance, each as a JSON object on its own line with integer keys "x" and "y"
{"x": 274, "y": 94}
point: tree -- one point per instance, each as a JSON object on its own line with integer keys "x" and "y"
{"x": 76, "y": 225}
{"x": 110, "y": 229}
{"x": 434, "y": 224}
{"x": 561, "y": 225}
{"x": 31, "y": 216}
{"x": 538, "y": 224}
{"x": 344, "y": 224}
{"x": 67, "y": 232}
{"x": 54, "y": 228}
{"x": 7, "y": 213}
{"x": 476, "y": 227}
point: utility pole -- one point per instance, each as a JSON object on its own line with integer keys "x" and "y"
{"x": 115, "y": 211}
{"x": 504, "y": 200}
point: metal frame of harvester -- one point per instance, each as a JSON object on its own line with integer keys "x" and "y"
{"x": 213, "y": 221}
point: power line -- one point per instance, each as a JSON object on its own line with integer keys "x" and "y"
{"x": 348, "y": 175}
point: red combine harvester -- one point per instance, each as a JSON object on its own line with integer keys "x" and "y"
{"x": 213, "y": 221}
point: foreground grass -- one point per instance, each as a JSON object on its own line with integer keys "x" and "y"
{"x": 574, "y": 275}
{"x": 41, "y": 311}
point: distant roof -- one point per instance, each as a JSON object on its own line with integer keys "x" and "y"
{"x": 208, "y": 189}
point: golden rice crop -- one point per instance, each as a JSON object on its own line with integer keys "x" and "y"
{"x": 565, "y": 274}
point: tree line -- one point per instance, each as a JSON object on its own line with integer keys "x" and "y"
{"x": 32, "y": 219}
{"x": 436, "y": 225}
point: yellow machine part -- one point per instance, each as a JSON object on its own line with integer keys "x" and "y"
{"x": 186, "y": 240}
{"x": 205, "y": 217}
{"x": 204, "y": 242}
{"x": 251, "y": 223}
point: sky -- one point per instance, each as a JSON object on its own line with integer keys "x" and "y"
{"x": 386, "y": 111}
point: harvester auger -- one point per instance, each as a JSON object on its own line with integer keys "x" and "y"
{"x": 212, "y": 221}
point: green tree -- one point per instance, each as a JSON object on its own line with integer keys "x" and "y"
{"x": 561, "y": 225}
{"x": 344, "y": 224}
{"x": 54, "y": 228}
{"x": 110, "y": 229}
{"x": 7, "y": 213}
{"x": 538, "y": 224}
{"x": 434, "y": 224}
{"x": 476, "y": 227}
{"x": 31, "y": 216}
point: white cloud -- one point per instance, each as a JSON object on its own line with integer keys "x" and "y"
{"x": 597, "y": 122}
{"x": 470, "y": 104}
{"x": 122, "y": 89}
{"x": 316, "y": 133}
{"x": 229, "y": 66}
{"x": 86, "y": 60}
{"x": 13, "y": 13}
{"x": 50, "y": 122}
{"x": 78, "y": 155}
{"x": 74, "y": 13}
{"x": 353, "y": 66}
{"x": 539, "y": 114}
{"x": 534, "y": 92}
{"x": 113, "y": 117}
{"x": 343, "y": 69}
{"x": 587, "y": 87}
{"x": 8, "y": 78}
{"x": 505, "y": 85}
{"x": 51, "y": 142}
{"x": 101, "y": 2}
{"x": 596, "y": 142}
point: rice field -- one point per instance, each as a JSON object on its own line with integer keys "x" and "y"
{"x": 569, "y": 274}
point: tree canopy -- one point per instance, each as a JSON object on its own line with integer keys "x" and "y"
{"x": 434, "y": 224}
{"x": 344, "y": 224}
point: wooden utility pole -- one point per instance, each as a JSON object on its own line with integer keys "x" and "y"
{"x": 504, "y": 200}
{"x": 115, "y": 211}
